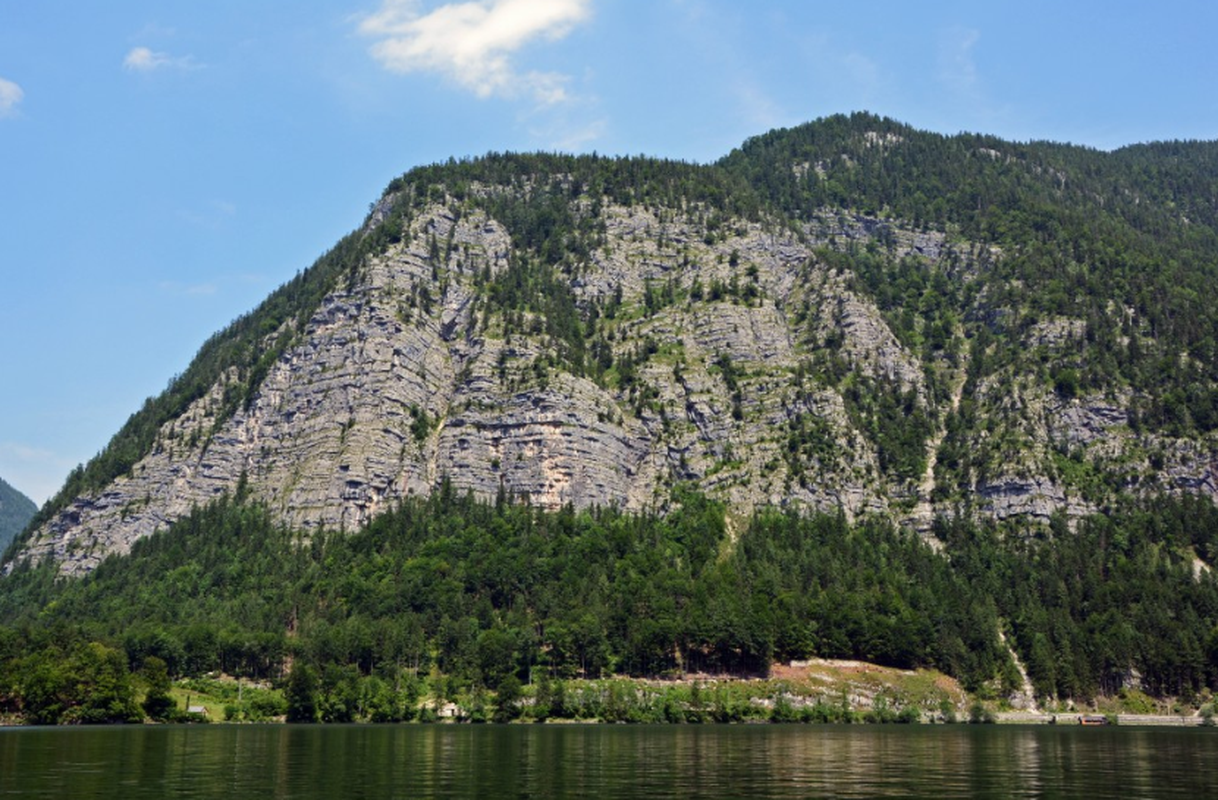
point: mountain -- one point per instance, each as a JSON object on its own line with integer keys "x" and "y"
{"x": 855, "y": 391}
{"x": 850, "y": 315}
{"x": 16, "y": 510}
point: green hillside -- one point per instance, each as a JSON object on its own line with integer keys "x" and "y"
{"x": 16, "y": 510}
{"x": 1124, "y": 242}
{"x": 458, "y": 596}
{"x": 854, "y": 391}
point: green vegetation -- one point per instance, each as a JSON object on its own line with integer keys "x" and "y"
{"x": 1089, "y": 606}
{"x": 16, "y": 510}
{"x": 1121, "y": 241}
{"x": 453, "y": 598}
{"x": 1032, "y": 277}
{"x": 1116, "y": 247}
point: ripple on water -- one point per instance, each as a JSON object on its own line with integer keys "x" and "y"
{"x": 607, "y": 761}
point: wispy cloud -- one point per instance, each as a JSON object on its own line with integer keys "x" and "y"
{"x": 472, "y": 43}
{"x": 211, "y": 216}
{"x": 964, "y": 82}
{"x": 176, "y": 289}
{"x": 37, "y": 472}
{"x": 155, "y": 30}
{"x": 10, "y": 96}
{"x": 755, "y": 104}
{"x": 143, "y": 59}
{"x": 567, "y": 135}
{"x": 957, "y": 69}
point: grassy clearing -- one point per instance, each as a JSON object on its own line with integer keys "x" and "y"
{"x": 226, "y": 700}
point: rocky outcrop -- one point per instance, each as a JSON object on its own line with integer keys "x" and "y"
{"x": 1036, "y": 498}
{"x": 403, "y": 379}
{"x": 702, "y": 364}
{"x": 1088, "y": 421}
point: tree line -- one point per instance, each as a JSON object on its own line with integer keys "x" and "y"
{"x": 492, "y": 595}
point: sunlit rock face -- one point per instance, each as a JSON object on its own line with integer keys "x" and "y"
{"x": 742, "y": 357}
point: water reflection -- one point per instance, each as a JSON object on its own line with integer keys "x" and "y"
{"x": 607, "y": 761}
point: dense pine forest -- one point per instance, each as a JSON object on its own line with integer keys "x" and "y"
{"x": 479, "y": 596}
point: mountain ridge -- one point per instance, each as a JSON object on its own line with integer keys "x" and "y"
{"x": 849, "y": 314}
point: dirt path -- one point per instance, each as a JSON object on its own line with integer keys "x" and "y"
{"x": 1027, "y": 695}
{"x": 924, "y": 512}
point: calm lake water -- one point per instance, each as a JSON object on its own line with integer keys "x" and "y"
{"x": 608, "y": 761}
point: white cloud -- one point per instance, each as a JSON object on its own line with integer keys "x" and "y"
{"x": 965, "y": 82}
{"x": 155, "y": 30}
{"x": 566, "y": 136}
{"x": 473, "y": 42}
{"x": 211, "y": 216}
{"x": 142, "y": 59}
{"x": 176, "y": 289}
{"x": 956, "y": 66}
{"x": 755, "y": 105}
{"x": 10, "y": 96}
{"x": 37, "y": 472}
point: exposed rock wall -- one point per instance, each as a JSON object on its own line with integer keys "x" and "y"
{"x": 405, "y": 376}
{"x": 381, "y": 397}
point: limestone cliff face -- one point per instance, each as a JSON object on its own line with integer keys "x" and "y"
{"x": 384, "y": 394}
{"x": 734, "y": 355}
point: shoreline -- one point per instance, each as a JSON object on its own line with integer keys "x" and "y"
{"x": 1006, "y": 719}
{"x": 1118, "y": 720}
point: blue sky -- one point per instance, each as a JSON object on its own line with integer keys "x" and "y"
{"x": 164, "y": 164}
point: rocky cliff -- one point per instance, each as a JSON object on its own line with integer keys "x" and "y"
{"x": 598, "y": 332}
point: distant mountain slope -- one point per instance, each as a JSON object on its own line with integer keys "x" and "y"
{"x": 16, "y": 511}
{"x": 851, "y": 314}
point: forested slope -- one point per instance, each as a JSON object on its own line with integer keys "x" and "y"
{"x": 477, "y": 594}
{"x": 855, "y": 390}
{"x": 16, "y": 511}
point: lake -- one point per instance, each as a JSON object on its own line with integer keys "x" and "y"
{"x": 282, "y": 761}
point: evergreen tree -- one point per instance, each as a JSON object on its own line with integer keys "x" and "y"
{"x": 301, "y": 693}
{"x": 158, "y": 704}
